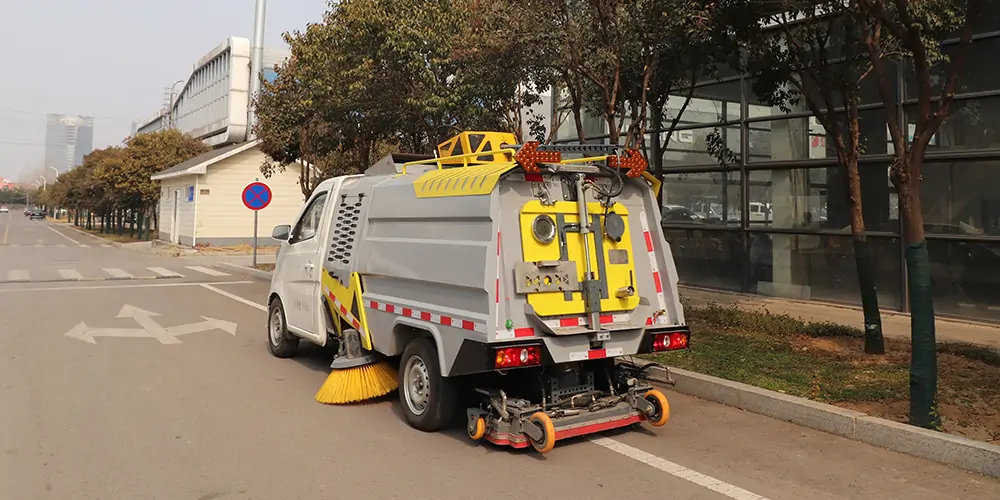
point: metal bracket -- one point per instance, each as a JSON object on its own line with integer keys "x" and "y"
{"x": 350, "y": 353}
{"x": 545, "y": 276}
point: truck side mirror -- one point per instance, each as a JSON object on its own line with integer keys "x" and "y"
{"x": 280, "y": 233}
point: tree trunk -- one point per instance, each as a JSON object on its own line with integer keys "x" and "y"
{"x": 656, "y": 156}
{"x": 874, "y": 342}
{"x": 923, "y": 342}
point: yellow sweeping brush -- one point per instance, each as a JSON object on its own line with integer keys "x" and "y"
{"x": 351, "y": 385}
{"x": 357, "y": 375}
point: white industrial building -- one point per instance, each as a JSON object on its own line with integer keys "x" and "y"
{"x": 200, "y": 202}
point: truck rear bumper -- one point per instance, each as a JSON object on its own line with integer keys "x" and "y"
{"x": 479, "y": 357}
{"x": 588, "y": 422}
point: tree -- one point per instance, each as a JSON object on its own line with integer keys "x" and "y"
{"x": 814, "y": 54}
{"x": 374, "y": 76}
{"x": 917, "y": 29}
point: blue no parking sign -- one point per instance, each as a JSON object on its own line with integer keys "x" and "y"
{"x": 256, "y": 196}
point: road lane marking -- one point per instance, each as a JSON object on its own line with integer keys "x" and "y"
{"x": 234, "y": 297}
{"x": 207, "y": 270}
{"x": 63, "y": 235}
{"x": 84, "y": 246}
{"x": 18, "y": 275}
{"x": 70, "y": 274}
{"x": 105, "y": 246}
{"x": 118, "y": 273}
{"x": 105, "y": 287}
{"x": 716, "y": 485}
{"x": 61, "y": 245}
{"x": 165, "y": 272}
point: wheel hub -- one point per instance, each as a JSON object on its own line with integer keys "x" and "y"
{"x": 276, "y": 327}
{"x": 416, "y": 385}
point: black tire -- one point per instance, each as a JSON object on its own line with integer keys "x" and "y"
{"x": 438, "y": 396}
{"x": 280, "y": 343}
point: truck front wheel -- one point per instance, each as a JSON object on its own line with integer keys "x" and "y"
{"x": 427, "y": 398}
{"x": 280, "y": 343}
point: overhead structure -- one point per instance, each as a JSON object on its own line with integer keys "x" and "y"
{"x": 213, "y": 104}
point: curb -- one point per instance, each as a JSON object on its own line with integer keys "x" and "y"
{"x": 256, "y": 273}
{"x": 940, "y": 447}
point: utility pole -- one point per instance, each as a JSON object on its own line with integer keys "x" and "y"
{"x": 256, "y": 61}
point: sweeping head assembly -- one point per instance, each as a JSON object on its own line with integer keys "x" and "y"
{"x": 357, "y": 375}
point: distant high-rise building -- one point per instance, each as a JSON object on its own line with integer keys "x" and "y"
{"x": 67, "y": 140}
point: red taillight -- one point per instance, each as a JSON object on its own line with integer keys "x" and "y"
{"x": 670, "y": 341}
{"x": 517, "y": 356}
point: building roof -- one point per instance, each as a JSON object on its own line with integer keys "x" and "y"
{"x": 199, "y": 164}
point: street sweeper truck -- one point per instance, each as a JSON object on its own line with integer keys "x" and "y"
{"x": 511, "y": 281}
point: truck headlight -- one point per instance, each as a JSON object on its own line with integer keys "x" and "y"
{"x": 544, "y": 229}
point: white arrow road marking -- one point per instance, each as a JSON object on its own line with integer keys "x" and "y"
{"x": 86, "y": 334}
{"x": 209, "y": 324}
{"x": 145, "y": 320}
{"x": 150, "y": 328}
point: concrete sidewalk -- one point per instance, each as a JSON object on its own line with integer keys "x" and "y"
{"x": 894, "y": 324}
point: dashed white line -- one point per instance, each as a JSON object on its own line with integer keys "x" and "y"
{"x": 18, "y": 275}
{"x": 105, "y": 246}
{"x": 716, "y": 485}
{"x": 165, "y": 272}
{"x": 70, "y": 274}
{"x": 106, "y": 287}
{"x": 84, "y": 246}
{"x": 63, "y": 235}
{"x": 118, "y": 273}
{"x": 207, "y": 270}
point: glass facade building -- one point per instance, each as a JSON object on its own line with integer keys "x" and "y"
{"x": 67, "y": 140}
{"x": 795, "y": 240}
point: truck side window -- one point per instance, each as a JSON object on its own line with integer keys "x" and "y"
{"x": 308, "y": 225}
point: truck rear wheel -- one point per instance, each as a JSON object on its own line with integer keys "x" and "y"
{"x": 427, "y": 398}
{"x": 280, "y": 343}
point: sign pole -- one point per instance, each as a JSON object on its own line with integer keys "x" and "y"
{"x": 254, "y": 265}
{"x": 256, "y": 197}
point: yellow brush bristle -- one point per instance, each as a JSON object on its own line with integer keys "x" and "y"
{"x": 358, "y": 384}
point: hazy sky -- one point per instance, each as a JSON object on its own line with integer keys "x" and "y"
{"x": 111, "y": 59}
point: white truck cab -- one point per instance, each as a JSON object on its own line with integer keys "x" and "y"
{"x": 296, "y": 307}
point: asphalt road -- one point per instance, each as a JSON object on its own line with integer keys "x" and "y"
{"x": 167, "y": 391}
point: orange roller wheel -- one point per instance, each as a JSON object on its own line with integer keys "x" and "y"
{"x": 661, "y": 412}
{"x": 548, "y": 432}
{"x": 477, "y": 429}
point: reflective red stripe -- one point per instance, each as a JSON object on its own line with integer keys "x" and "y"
{"x": 446, "y": 320}
{"x": 468, "y": 325}
{"x": 597, "y": 353}
{"x": 649, "y": 241}
{"x": 524, "y": 332}
{"x": 407, "y": 311}
{"x": 569, "y": 321}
